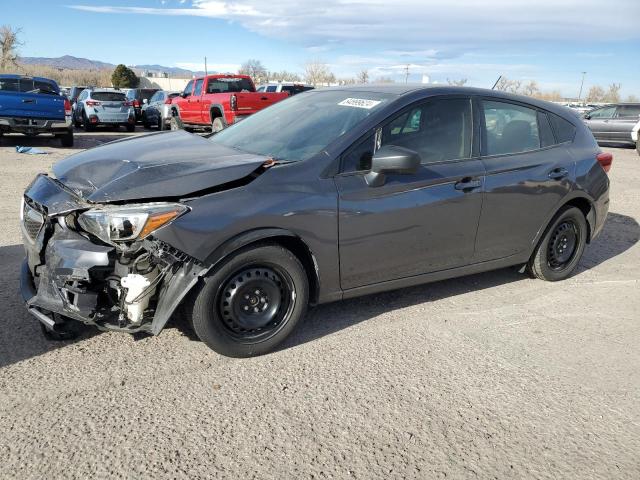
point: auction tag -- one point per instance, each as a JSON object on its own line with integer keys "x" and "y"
{"x": 360, "y": 103}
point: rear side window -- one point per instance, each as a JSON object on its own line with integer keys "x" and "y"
{"x": 628, "y": 111}
{"x": 546, "y": 134}
{"x": 510, "y": 128}
{"x": 131, "y": 94}
{"x": 564, "y": 130}
{"x": 108, "y": 96}
{"x": 9, "y": 85}
{"x": 272, "y": 88}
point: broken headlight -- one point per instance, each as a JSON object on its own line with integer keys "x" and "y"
{"x": 128, "y": 223}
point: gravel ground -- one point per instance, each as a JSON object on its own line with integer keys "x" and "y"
{"x": 490, "y": 376}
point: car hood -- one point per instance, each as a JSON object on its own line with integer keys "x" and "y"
{"x": 155, "y": 166}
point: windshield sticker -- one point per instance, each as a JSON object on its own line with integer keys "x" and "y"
{"x": 360, "y": 103}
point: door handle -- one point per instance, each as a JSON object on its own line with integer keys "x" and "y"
{"x": 264, "y": 98}
{"x": 25, "y": 100}
{"x": 558, "y": 173}
{"x": 468, "y": 183}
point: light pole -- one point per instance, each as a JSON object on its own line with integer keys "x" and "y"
{"x": 581, "y": 84}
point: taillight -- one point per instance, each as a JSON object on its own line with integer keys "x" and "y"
{"x": 605, "y": 159}
{"x": 92, "y": 103}
{"x": 67, "y": 107}
{"x": 233, "y": 102}
{"x": 126, "y": 104}
{"x": 168, "y": 101}
{"x": 136, "y": 103}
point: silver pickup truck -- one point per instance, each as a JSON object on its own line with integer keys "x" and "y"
{"x": 32, "y": 106}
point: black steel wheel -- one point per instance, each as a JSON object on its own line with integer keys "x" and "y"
{"x": 251, "y": 303}
{"x": 561, "y": 247}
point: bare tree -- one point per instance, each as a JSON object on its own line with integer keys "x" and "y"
{"x": 633, "y": 99}
{"x": 595, "y": 94}
{"x": 255, "y": 70}
{"x": 9, "y": 43}
{"x": 316, "y": 72}
{"x": 458, "y": 83}
{"x": 385, "y": 80}
{"x": 613, "y": 94}
{"x": 507, "y": 85}
{"x": 531, "y": 89}
{"x": 283, "y": 76}
{"x": 363, "y": 76}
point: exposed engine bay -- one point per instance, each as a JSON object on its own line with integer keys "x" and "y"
{"x": 100, "y": 264}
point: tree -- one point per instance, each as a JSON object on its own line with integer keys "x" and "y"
{"x": 9, "y": 43}
{"x": 283, "y": 76}
{"x": 363, "y": 76}
{"x": 506, "y": 85}
{"x": 632, "y": 99}
{"x": 613, "y": 94}
{"x": 596, "y": 94}
{"x": 531, "y": 89}
{"x": 458, "y": 83}
{"x": 124, "y": 77}
{"x": 316, "y": 72}
{"x": 255, "y": 70}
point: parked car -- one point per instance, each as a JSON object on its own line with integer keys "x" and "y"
{"x": 138, "y": 97}
{"x": 635, "y": 136}
{"x": 33, "y": 106}
{"x": 329, "y": 195}
{"x": 74, "y": 93}
{"x": 157, "y": 112}
{"x": 217, "y": 101}
{"x": 614, "y": 123}
{"x": 101, "y": 106}
{"x": 291, "y": 88}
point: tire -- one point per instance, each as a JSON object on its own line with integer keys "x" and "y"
{"x": 267, "y": 279}
{"x": 217, "y": 125}
{"x": 66, "y": 140}
{"x": 85, "y": 123}
{"x": 561, "y": 247}
{"x": 130, "y": 127}
{"x": 160, "y": 123}
{"x": 76, "y": 123}
{"x": 145, "y": 123}
{"x": 638, "y": 144}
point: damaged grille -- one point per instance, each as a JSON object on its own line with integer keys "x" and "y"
{"x": 32, "y": 220}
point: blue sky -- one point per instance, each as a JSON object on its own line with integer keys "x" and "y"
{"x": 550, "y": 41}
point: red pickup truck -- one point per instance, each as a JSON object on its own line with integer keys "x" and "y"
{"x": 221, "y": 100}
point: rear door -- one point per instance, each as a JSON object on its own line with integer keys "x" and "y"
{"x": 624, "y": 120}
{"x": 528, "y": 172}
{"x": 599, "y": 120}
{"x": 413, "y": 224}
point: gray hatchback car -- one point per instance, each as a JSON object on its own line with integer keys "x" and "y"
{"x": 330, "y": 194}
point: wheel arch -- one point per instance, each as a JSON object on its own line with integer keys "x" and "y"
{"x": 285, "y": 238}
{"x": 216, "y": 110}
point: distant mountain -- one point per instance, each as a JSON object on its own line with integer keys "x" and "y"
{"x": 75, "y": 63}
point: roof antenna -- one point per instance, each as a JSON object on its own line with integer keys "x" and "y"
{"x": 494, "y": 85}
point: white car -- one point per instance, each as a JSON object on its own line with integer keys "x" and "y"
{"x": 291, "y": 87}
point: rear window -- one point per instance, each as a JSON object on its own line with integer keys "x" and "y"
{"x": 229, "y": 84}
{"x": 147, "y": 93}
{"x": 108, "y": 96}
{"x": 564, "y": 130}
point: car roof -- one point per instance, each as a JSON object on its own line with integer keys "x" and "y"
{"x": 432, "y": 90}
{"x": 18, "y": 76}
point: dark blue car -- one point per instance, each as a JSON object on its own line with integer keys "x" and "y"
{"x": 32, "y": 106}
{"x": 327, "y": 195}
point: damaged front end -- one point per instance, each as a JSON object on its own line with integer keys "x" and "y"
{"x": 99, "y": 264}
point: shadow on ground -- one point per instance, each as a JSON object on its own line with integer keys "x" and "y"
{"x": 20, "y": 336}
{"x": 82, "y": 140}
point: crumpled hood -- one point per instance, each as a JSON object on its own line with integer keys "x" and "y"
{"x": 171, "y": 164}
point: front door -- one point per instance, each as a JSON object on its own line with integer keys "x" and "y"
{"x": 599, "y": 121}
{"x": 413, "y": 224}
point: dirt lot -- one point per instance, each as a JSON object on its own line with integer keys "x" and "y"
{"x": 490, "y": 376}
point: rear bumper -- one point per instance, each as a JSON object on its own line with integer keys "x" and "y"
{"x": 34, "y": 125}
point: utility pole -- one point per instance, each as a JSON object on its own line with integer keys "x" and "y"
{"x": 581, "y": 84}
{"x": 406, "y": 74}
{"x": 205, "y": 67}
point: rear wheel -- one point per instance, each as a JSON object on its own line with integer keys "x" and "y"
{"x": 160, "y": 123}
{"x": 561, "y": 247}
{"x": 145, "y": 122}
{"x": 130, "y": 127}
{"x": 66, "y": 140}
{"x": 88, "y": 127}
{"x": 217, "y": 125}
{"x": 252, "y": 303}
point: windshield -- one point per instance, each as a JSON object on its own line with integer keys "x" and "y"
{"x": 299, "y": 127}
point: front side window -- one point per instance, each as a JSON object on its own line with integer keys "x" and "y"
{"x": 606, "y": 112}
{"x": 198, "y": 90}
{"x": 187, "y": 90}
{"x": 438, "y": 130}
{"x": 510, "y": 128}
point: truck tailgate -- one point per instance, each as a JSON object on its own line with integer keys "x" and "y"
{"x": 251, "y": 102}
{"x": 31, "y": 105}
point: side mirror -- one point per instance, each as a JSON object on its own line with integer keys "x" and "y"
{"x": 392, "y": 159}
{"x": 587, "y": 116}
{"x": 184, "y": 95}
{"x": 144, "y": 100}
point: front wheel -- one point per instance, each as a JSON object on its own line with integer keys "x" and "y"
{"x": 217, "y": 125}
{"x": 130, "y": 127}
{"x": 561, "y": 247}
{"x": 252, "y": 303}
{"x": 66, "y": 140}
